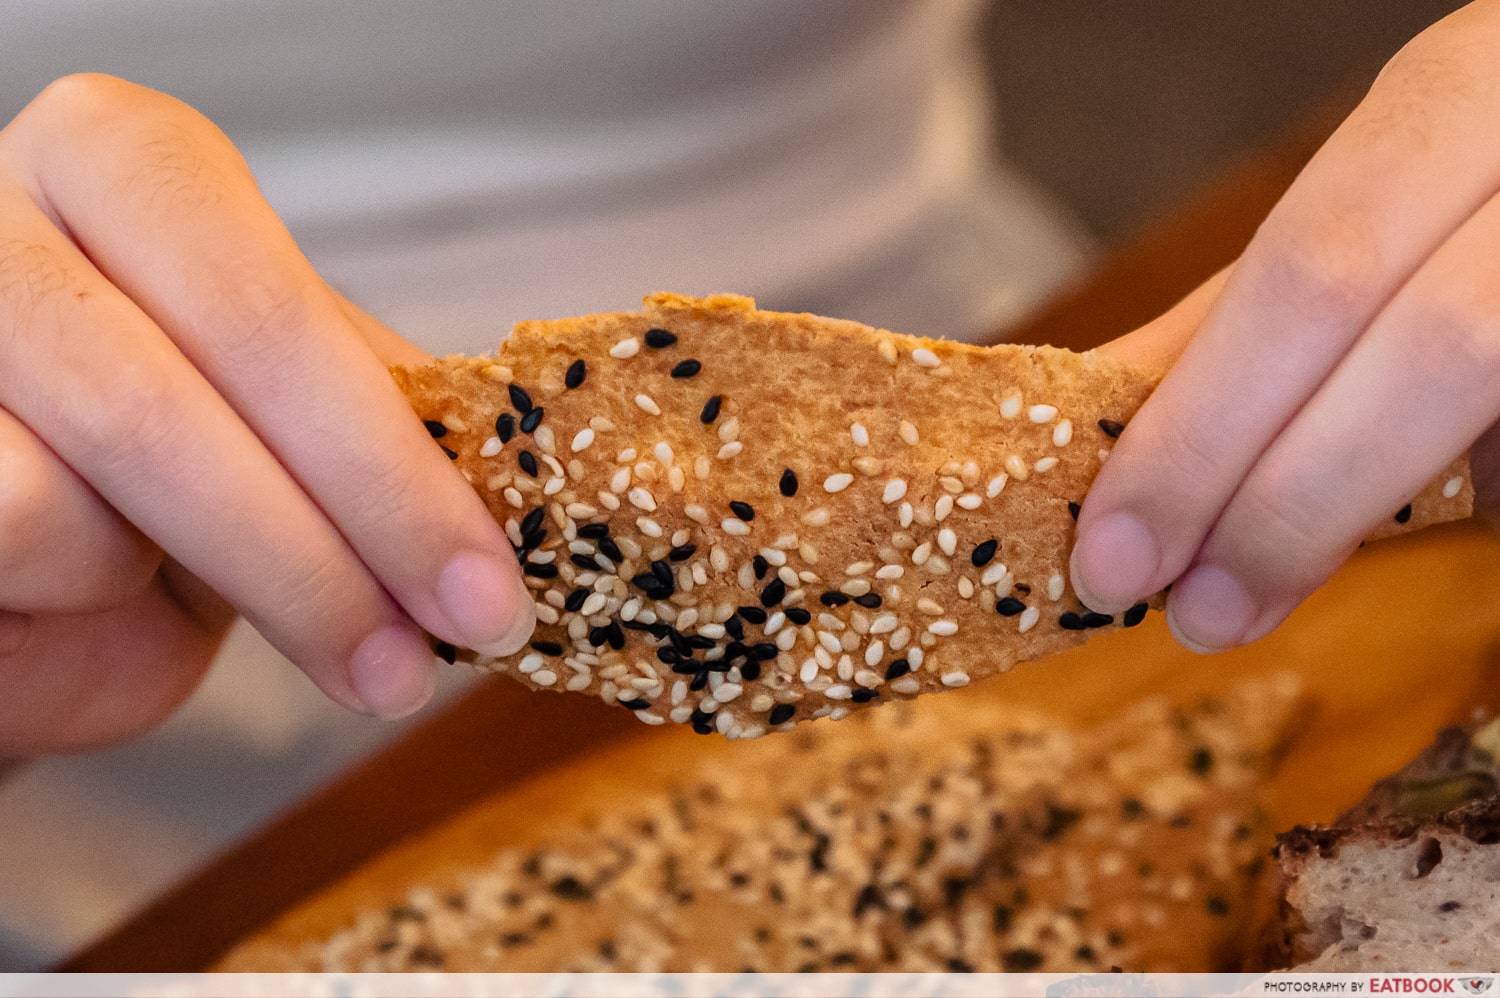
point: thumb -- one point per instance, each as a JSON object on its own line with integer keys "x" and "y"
{"x": 1159, "y": 343}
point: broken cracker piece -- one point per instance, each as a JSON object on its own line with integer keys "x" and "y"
{"x": 739, "y": 520}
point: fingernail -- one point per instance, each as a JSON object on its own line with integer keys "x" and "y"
{"x": 487, "y": 602}
{"x": 1114, "y": 563}
{"x": 392, "y": 672}
{"x": 1209, "y": 610}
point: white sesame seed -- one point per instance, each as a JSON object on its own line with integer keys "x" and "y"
{"x": 641, "y": 498}
{"x": 491, "y": 447}
{"x": 965, "y": 587}
{"x": 1010, "y": 408}
{"x": 727, "y": 691}
{"x": 1055, "y": 586}
{"x": 582, "y": 439}
{"x": 580, "y": 510}
{"x": 648, "y": 405}
{"x": 787, "y": 575}
{"x": 544, "y": 677}
{"x": 874, "y": 652}
{"x": 838, "y": 692}
{"x": 809, "y": 670}
{"x": 1016, "y": 468}
{"x": 837, "y": 482}
{"x": 908, "y": 432}
{"x": 513, "y": 497}
{"x": 1042, "y": 413}
{"x": 731, "y": 449}
{"x": 808, "y": 552}
{"x": 729, "y": 430}
{"x": 676, "y": 478}
{"x": 735, "y": 526}
{"x": 773, "y": 556}
{"x": 786, "y": 639}
{"x": 993, "y": 573}
{"x": 942, "y": 508}
{"x": 869, "y": 466}
{"x": 1452, "y": 487}
{"x": 697, "y": 514}
{"x": 529, "y": 664}
{"x": 1028, "y": 619}
{"x": 855, "y": 587}
{"x": 943, "y": 628}
{"x": 900, "y": 639}
{"x": 620, "y": 481}
{"x": 884, "y": 624}
{"x": 997, "y": 485}
{"x": 859, "y": 434}
{"x": 895, "y": 489}
{"x": 890, "y": 572}
{"x": 887, "y": 351}
{"x": 924, "y": 357}
{"x": 625, "y": 349}
{"x": 546, "y": 614}
{"x": 915, "y": 657}
{"x": 815, "y": 518}
{"x": 1062, "y": 434}
{"x": 554, "y": 486}
{"x": 553, "y": 464}
{"x": 905, "y": 514}
{"x": 930, "y": 607}
{"x": 830, "y": 641}
{"x": 1046, "y": 464}
{"x": 922, "y": 553}
{"x": 593, "y": 604}
{"x": 664, "y": 454}
{"x": 947, "y": 541}
{"x": 969, "y": 500}
{"x": 951, "y": 485}
{"x": 955, "y": 679}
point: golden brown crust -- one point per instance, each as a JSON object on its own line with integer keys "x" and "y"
{"x": 909, "y": 456}
{"x": 965, "y": 833}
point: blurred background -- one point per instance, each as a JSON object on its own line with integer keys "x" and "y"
{"x": 1119, "y": 111}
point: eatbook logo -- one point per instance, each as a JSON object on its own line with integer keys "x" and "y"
{"x": 1476, "y": 985}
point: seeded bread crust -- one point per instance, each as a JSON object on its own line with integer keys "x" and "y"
{"x": 963, "y": 835}
{"x": 740, "y": 520}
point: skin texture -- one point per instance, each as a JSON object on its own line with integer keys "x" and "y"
{"x": 1349, "y": 353}
{"x": 193, "y": 425}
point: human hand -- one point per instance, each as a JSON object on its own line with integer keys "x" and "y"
{"x": 1340, "y": 364}
{"x": 193, "y": 423}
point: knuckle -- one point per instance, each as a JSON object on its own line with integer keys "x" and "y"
{"x": 1459, "y": 338}
{"x": 1325, "y": 270}
{"x": 124, "y": 413}
{"x": 260, "y": 315}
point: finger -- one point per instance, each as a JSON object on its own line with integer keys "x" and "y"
{"x": 62, "y": 548}
{"x": 224, "y": 279}
{"x": 1396, "y": 179}
{"x": 1412, "y": 394}
{"x": 82, "y": 681}
{"x": 93, "y": 376}
{"x": 1159, "y": 343}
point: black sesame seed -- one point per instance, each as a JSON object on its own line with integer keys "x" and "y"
{"x": 594, "y": 531}
{"x": 1092, "y": 619}
{"x": 548, "y": 647}
{"x": 984, "y": 553}
{"x": 520, "y": 398}
{"x": 1009, "y": 606}
{"x": 668, "y": 655}
{"x": 698, "y": 641}
{"x": 598, "y": 636}
{"x": 611, "y": 550}
{"x": 658, "y": 630}
{"x": 870, "y": 601}
{"x": 761, "y": 566}
{"x": 750, "y": 670}
{"x": 834, "y": 598}
{"x": 1201, "y": 762}
{"x": 1131, "y": 808}
{"x": 571, "y": 888}
{"x": 1445, "y": 908}
{"x": 863, "y": 695}
{"x": 711, "y": 409}
{"x": 653, "y": 587}
{"x": 686, "y": 369}
{"x": 505, "y": 427}
{"x": 1020, "y": 961}
{"x": 687, "y": 667}
{"x": 576, "y": 372}
{"x": 682, "y": 552}
{"x": 532, "y": 539}
{"x": 719, "y": 666}
{"x": 531, "y": 420}
{"x": 1135, "y": 615}
{"x": 958, "y": 965}
{"x": 1216, "y": 905}
{"x": 1111, "y": 428}
{"x": 763, "y": 651}
{"x": 575, "y": 601}
{"x": 584, "y": 561}
{"x": 658, "y": 338}
{"x": 1404, "y": 514}
{"x": 788, "y": 483}
{"x": 445, "y": 651}
{"x": 539, "y": 571}
{"x": 452, "y": 454}
{"x": 532, "y": 520}
{"x": 636, "y": 704}
{"x": 1070, "y": 621}
{"x": 798, "y": 615}
{"x": 615, "y": 634}
{"x": 527, "y": 461}
{"x": 435, "y": 428}
{"x": 1073, "y": 509}
{"x": 782, "y": 713}
{"x": 755, "y": 614}
{"x": 735, "y": 628}
{"x": 897, "y": 669}
{"x": 743, "y": 510}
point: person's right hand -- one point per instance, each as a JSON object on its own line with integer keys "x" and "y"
{"x": 192, "y": 423}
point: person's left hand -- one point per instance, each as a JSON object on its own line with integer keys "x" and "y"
{"x": 1339, "y": 365}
